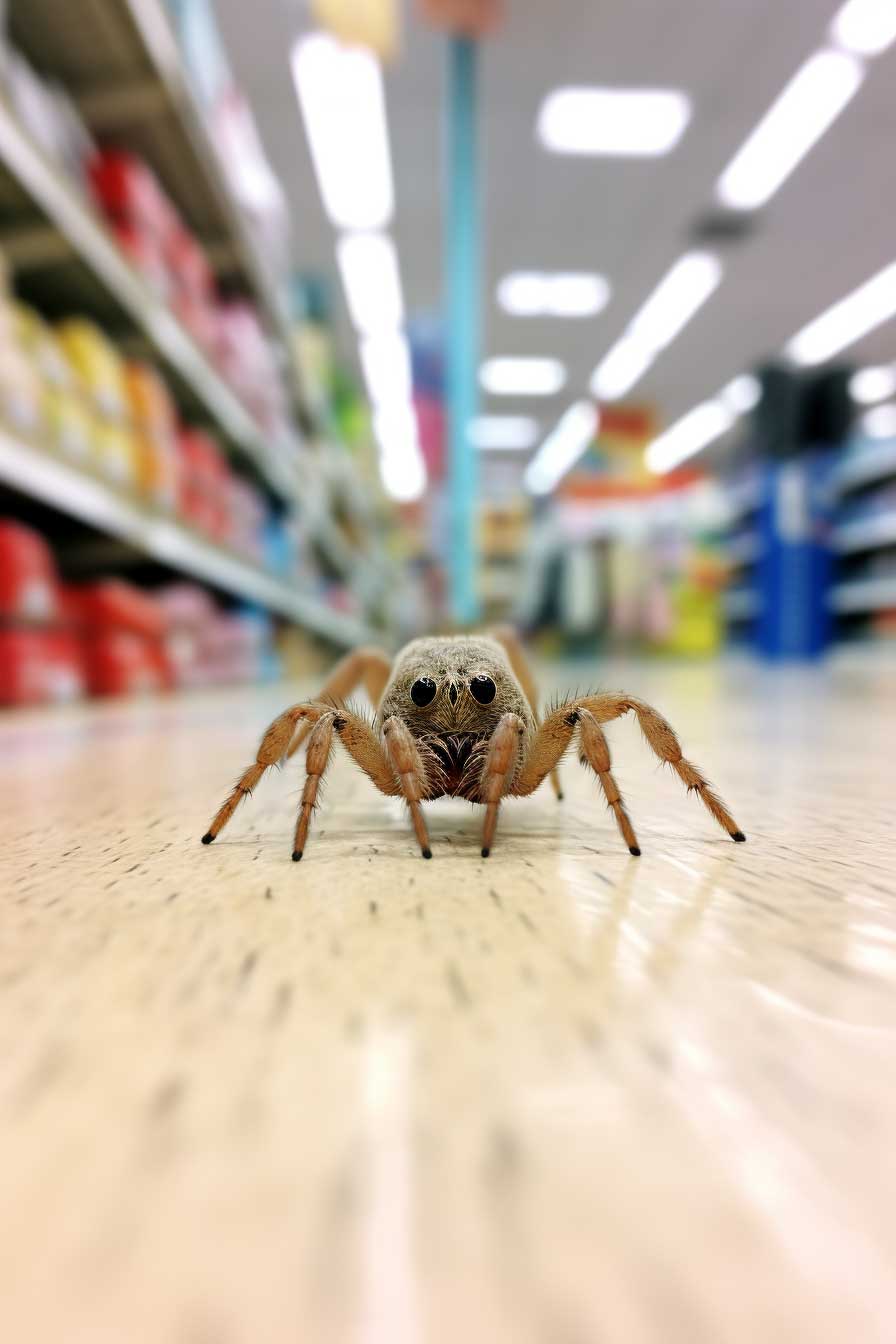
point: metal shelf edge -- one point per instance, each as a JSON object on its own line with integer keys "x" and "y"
{"x": 38, "y": 473}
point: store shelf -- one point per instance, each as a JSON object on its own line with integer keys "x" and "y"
{"x": 866, "y": 534}
{"x": 42, "y": 476}
{"x": 743, "y": 550}
{"x": 121, "y": 61}
{"x": 863, "y": 595}
{"x": 866, "y": 466}
{"x": 87, "y": 235}
{"x": 740, "y": 604}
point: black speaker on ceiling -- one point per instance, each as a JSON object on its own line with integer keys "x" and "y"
{"x": 828, "y": 408}
{"x": 777, "y": 419}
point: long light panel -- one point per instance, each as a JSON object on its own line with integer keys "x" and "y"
{"x": 563, "y": 447}
{"x": 865, "y": 27}
{"x": 682, "y": 291}
{"x": 553, "y": 294}
{"x": 368, "y": 264}
{"x": 803, "y": 111}
{"x": 846, "y": 322}
{"x": 340, "y": 92}
{"x": 522, "y": 376}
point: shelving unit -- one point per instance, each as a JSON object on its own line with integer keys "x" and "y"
{"x": 120, "y": 62}
{"x": 43, "y": 476}
{"x": 86, "y": 235}
{"x": 866, "y": 582}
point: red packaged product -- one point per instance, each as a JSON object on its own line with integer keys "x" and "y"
{"x": 204, "y": 476}
{"x": 113, "y": 604}
{"x": 128, "y": 189}
{"x": 28, "y": 578}
{"x": 39, "y": 667}
{"x": 120, "y": 663}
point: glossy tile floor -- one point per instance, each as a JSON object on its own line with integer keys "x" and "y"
{"x": 561, "y": 1096}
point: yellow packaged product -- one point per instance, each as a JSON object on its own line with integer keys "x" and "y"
{"x": 98, "y": 365}
{"x": 21, "y": 393}
{"x": 117, "y": 452}
{"x": 69, "y": 424}
{"x": 148, "y": 396}
{"x": 38, "y": 343}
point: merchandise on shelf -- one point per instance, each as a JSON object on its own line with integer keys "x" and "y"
{"x": 40, "y": 661}
{"x": 29, "y": 584}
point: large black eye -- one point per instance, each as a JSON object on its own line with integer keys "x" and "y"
{"x": 423, "y": 691}
{"x": 483, "y": 689}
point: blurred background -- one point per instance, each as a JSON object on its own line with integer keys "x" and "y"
{"x": 326, "y": 321}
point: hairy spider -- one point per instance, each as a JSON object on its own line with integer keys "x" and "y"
{"x": 457, "y": 717}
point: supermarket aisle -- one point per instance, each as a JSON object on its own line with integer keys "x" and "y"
{"x": 561, "y": 1095}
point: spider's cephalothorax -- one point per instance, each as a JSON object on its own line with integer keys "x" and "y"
{"x": 452, "y": 694}
{"x": 458, "y": 716}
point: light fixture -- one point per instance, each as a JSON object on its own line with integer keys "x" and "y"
{"x": 673, "y": 303}
{"x": 403, "y": 476}
{"x": 875, "y": 383}
{"x": 553, "y": 294}
{"x": 865, "y": 27}
{"x": 522, "y": 377}
{"x": 741, "y": 394}
{"x": 845, "y": 322}
{"x": 402, "y": 469}
{"x": 368, "y": 264}
{"x": 563, "y": 447}
{"x": 340, "y": 91}
{"x": 620, "y": 369}
{"x": 386, "y": 362}
{"x": 503, "y": 431}
{"x": 685, "y": 286}
{"x": 640, "y": 123}
{"x": 688, "y": 436}
{"x": 880, "y": 423}
{"x": 800, "y": 115}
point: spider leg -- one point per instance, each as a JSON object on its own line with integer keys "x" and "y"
{"x": 595, "y": 752}
{"x": 510, "y": 642}
{"x": 320, "y": 746}
{"x": 501, "y": 763}
{"x": 406, "y": 762}
{"x": 272, "y": 749}
{"x": 662, "y": 740}
{"x": 367, "y": 664}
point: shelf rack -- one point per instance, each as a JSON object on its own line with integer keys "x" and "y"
{"x": 41, "y": 475}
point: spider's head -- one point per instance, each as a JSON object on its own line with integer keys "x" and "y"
{"x": 457, "y": 687}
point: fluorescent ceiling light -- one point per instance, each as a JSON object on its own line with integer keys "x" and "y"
{"x": 402, "y": 470}
{"x": 403, "y": 476}
{"x": 642, "y": 123}
{"x": 620, "y": 369}
{"x": 875, "y": 383}
{"x": 880, "y": 423}
{"x": 741, "y": 394}
{"x": 386, "y": 362}
{"x": 557, "y": 294}
{"x": 368, "y": 264}
{"x": 688, "y": 436}
{"x": 865, "y": 27}
{"x": 503, "y": 431}
{"x": 340, "y": 91}
{"x": 563, "y": 447}
{"x": 802, "y": 113}
{"x": 845, "y": 322}
{"x": 522, "y": 377}
{"x": 673, "y": 303}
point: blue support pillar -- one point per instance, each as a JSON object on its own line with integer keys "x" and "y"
{"x": 462, "y": 308}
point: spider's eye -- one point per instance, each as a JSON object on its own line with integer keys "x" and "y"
{"x": 483, "y": 689}
{"x": 423, "y": 691}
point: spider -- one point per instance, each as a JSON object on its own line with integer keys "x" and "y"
{"x": 457, "y": 717}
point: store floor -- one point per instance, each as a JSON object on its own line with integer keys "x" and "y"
{"x": 561, "y": 1096}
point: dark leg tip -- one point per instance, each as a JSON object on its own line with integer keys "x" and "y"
{"x": 207, "y": 838}
{"x": 560, "y": 796}
{"x": 485, "y": 851}
{"x": 296, "y": 855}
{"x": 738, "y": 835}
{"x": 633, "y": 849}
{"x": 427, "y": 853}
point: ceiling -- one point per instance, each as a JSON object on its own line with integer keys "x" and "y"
{"x": 830, "y": 227}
